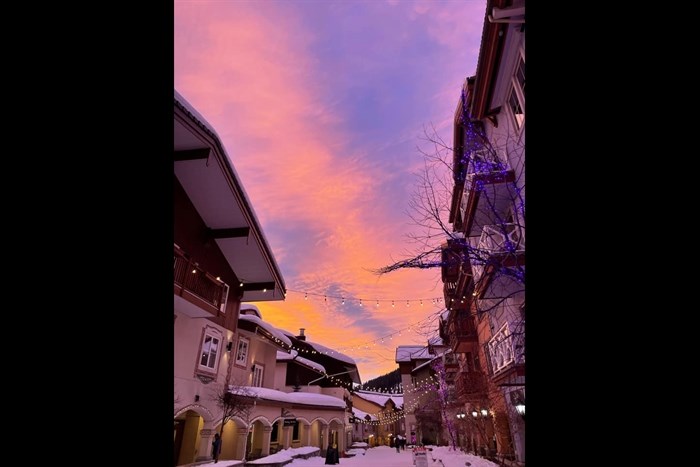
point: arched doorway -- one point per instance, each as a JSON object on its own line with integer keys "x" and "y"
{"x": 230, "y": 445}
{"x": 187, "y": 437}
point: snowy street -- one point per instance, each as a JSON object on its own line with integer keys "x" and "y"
{"x": 380, "y": 456}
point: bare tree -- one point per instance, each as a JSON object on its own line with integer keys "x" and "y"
{"x": 234, "y": 401}
{"x": 468, "y": 205}
{"x": 477, "y": 176}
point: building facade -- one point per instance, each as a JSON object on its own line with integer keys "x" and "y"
{"x": 234, "y": 373}
{"x": 484, "y": 259}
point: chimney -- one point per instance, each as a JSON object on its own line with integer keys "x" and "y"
{"x": 301, "y": 335}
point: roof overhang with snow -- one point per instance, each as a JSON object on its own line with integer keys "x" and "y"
{"x": 205, "y": 172}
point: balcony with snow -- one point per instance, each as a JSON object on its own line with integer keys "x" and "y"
{"x": 488, "y": 191}
{"x": 461, "y": 331}
{"x": 500, "y": 246}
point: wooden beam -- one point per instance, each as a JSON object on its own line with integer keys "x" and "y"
{"x": 191, "y": 154}
{"x": 235, "y": 232}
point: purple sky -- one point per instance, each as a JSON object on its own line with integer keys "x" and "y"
{"x": 321, "y": 106}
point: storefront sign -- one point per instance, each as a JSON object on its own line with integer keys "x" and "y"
{"x": 420, "y": 457}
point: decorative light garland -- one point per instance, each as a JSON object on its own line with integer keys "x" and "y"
{"x": 346, "y": 299}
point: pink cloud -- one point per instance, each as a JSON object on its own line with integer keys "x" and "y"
{"x": 248, "y": 67}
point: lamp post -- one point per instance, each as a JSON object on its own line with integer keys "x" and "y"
{"x": 460, "y": 417}
{"x": 517, "y": 398}
{"x": 480, "y": 420}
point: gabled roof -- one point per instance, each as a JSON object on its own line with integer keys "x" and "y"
{"x": 337, "y": 364}
{"x": 363, "y": 415}
{"x": 273, "y": 333}
{"x": 294, "y": 356}
{"x": 210, "y": 181}
{"x": 407, "y": 353}
{"x": 380, "y": 398}
{"x": 333, "y": 353}
{"x": 423, "y": 365}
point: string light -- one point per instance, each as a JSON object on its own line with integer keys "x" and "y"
{"x": 358, "y": 300}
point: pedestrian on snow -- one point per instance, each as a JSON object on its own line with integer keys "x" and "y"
{"x": 216, "y": 447}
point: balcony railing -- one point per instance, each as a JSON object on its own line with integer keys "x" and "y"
{"x": 504, "y": 243}
{"x": 481, "y": 172}
{"x": 193, "y": 282}
{"x": 470, "y": 386}
{"x": 462, "y": 332}
{"x": 505, "y": 238}
{"x": 449, "y": 290}
{"x": 502, "y": 351}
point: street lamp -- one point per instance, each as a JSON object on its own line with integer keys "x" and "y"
{"x": 461, "y": 416}
{"x": 517, "y": 398}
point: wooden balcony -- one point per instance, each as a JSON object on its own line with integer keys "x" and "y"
{"x": 451, "y": 367}
{"x": 506, "y": 354}
{"x": 453, "y": 260}
{"x": 198, "y": 293}
{"x": 470, "y": 386}
{"x": 504, "y": 245}
{"x": 449, "y": 291}
{"x": 487, "y": 192}
{"x": 462, "y": 332}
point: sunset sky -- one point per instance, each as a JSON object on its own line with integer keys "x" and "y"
{"x": 321, "y": 106}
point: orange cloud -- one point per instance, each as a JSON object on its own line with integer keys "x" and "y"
{"x": 250, "y": 70}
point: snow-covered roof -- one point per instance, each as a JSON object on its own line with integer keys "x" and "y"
{"x": 424, "y": 364}
{"x": 333, "y": 353}
{"x": 380, "y": 398}
{"x": 406, "y": 353}
{"x": 294, "y": 355}
{"x": 246, "y": 260}
{"x": 361, "y": 414}
{"x": 268, "y": 327}
{"x": 307, "y": 398}
{"x": 247, "y": 308}
{"x": 437, "y": 340}
{"x": 190, "y": 108}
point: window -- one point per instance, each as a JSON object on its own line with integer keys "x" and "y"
{"x": 258, "y": 375}
{"x": 275, "y": 433}
{"x": 295, "y": 431}
{"x": 209, "y": 353}
{"x": 242, "y": 352}
{"x": 516, "y": 96}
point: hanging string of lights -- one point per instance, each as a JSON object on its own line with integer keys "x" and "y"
{"x": 364, "y": 301}
{"x": 361, "y": 301}
{"x": 414, "y": 327}
{"x": 384, "y": 418}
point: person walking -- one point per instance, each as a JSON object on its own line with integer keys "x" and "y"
{"x": 216, "y": 447}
